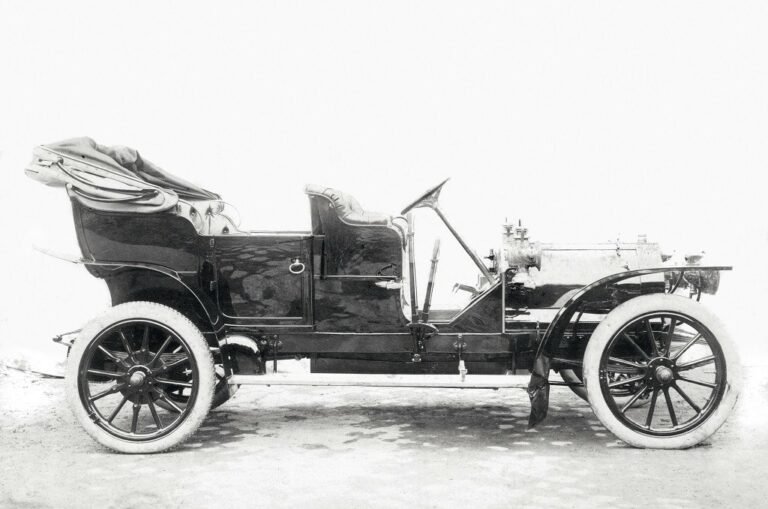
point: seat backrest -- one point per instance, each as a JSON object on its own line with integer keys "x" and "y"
{"x": 356, "y": 242}
{"x": 347, "y": 207}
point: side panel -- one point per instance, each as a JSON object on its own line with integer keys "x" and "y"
{"x": 157, "y": 239}
{"x": 349, "y": 260}
{"x": 484, "y": 314}
{"x": 354, "y": 305}
{"x": 362, "y": 250}
{"x": 254, "y": 281}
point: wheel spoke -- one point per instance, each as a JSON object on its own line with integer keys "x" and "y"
{"x": 113, "y": 357}
{"x": 173, "y": 382}
{"x": 686, "y": 398}
{"x": 638, "y": 367}
{"x": 683, "y": 336}
{"x": 686, "y": 347}
{"x": 634, "y": 398}
{"x": 634, "y": 345}
{"x": 697, "y": 382}
{"x": 671, "y": 409}
{"x": 670, "y": 333}
{"x": 627, "y": 381}
{"x": 117, "y": 410}
{"x": 695, "y": 364}
{"x": 649, "y": 417}
{"x": 162, "y": 395}
{"x": 126, "y": 345}
{"x": 651, "y": 338}
{"x": 145, "y": 339}
{"x": 110, "y": 374}
{"x": 161, "y": 349}
{"x": 135, "y": 420}
{"x": 152, "y": 409}
{"x": 115, "y": 388}
{"x": 166, "y": 367}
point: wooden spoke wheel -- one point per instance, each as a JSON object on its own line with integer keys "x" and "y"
{"x": 123, "y": 369}
{"x": 622, "y": 393}
{"x": 671, "y": 351}
{"x": 222, "y": 393}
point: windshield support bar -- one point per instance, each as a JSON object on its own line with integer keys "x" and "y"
{"x": 480, "y": 265}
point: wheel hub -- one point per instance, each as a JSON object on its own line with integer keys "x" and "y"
{"x": 660, "y": 371}
{"x": 137, "y": 379}
{"x": 664, "y": 375}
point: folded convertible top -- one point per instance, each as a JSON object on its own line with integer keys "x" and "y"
{"x": 110, "y": 178}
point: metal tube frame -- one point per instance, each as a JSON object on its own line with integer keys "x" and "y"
{"x": 475, "y": 258}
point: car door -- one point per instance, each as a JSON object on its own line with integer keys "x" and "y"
{"x": 264, "y": 278}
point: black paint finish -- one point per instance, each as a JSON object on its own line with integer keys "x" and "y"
{"x": 484, "y": 314}
{"x": 159, "y": 239}
{"x": 254, "y": 281}
{"x": 369, "y": 250}
{"x": 357, "y": 306}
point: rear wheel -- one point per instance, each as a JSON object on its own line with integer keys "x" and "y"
{"x": 123, "y": 367}
{"x": 222, "y": 393}
{"x": 673, "y": 351}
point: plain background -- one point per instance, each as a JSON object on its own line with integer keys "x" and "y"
{"x": 590, "y": 121}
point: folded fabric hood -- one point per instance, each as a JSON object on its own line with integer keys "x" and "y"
{"x": 113, "y": 178}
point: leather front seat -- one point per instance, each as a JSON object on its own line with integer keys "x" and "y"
{"x": 347, "y": 208}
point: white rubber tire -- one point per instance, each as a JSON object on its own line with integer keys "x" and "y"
{"x": 197, "y": 346}
{"x": 624, "y": 314}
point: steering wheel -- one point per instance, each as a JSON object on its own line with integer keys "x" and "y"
{"x": 433, "y": 193}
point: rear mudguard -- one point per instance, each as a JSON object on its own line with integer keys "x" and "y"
{"x": 185, "y": 283}
{"x": 538, "y": 386}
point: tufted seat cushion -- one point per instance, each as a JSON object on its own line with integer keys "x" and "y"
{"x": 347, "y": 207}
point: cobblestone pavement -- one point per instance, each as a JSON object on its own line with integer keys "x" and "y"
{"x": 354, "y": 447}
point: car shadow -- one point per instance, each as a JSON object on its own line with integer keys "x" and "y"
{"x": 408, "y": 426}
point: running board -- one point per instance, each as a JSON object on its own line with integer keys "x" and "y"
{"x": 344, "y": 379}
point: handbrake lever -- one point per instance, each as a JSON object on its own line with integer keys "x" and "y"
{"x": 431, "y": 282}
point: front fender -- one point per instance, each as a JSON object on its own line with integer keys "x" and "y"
{"x": 538, "y": 386}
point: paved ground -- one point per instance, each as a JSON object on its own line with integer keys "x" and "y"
{"x": 350, "y": 447}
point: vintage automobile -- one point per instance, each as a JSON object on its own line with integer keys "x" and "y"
{"x": 201, "y": 307}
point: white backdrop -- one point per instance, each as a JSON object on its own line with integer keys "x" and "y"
{"x": 591, "y": 121}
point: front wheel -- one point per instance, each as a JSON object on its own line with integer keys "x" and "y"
{"x": 622, "y": 394}
{"x": 123, "y": 368}
{"x": 674, "y": 352}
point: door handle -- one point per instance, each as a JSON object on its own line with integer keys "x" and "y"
{"x": 296, "y": 267}
{"x": 389, "y": 285}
